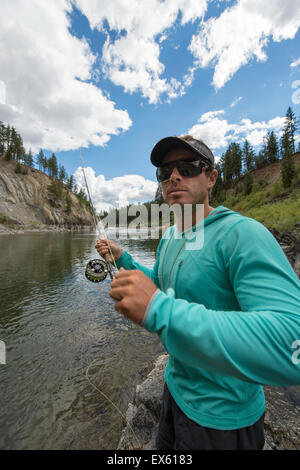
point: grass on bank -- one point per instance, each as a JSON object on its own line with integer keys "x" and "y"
{"x": 5, "y": 220}
{"x": 275, "y": 206}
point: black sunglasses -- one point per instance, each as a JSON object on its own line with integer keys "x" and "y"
{"x": 187, "y": 168}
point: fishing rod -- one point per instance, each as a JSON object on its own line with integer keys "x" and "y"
{"x": 96, "y": 269}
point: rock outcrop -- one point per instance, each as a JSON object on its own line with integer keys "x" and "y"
{"x": 143, "y": 414}
{"x": 290, "y": 244}
{"x": 25, "y": 200}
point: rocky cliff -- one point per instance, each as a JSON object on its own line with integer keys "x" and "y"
{"x": 26, "y": 201}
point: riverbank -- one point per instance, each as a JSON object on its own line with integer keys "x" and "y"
{"x": 7, "y": 230}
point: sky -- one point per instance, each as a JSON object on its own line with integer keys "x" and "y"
{"x": 113, "y": 78}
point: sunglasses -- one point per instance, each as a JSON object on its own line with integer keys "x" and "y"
{"x": 186, "y": 168}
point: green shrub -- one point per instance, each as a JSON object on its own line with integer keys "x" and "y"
{"x": 231, "y": 201}
{"x": 262, "y": 183}
{"x": 248, "y": 184}
{"x": 18, "y": 168}
{"x": 256, "y": 187}
{"x": 5, "y": 220}
{"x": 281, "y": 215}
{"x": 68, "y": 203}
{"x": 278, "y": 189}
{"x": 55, "y": 189}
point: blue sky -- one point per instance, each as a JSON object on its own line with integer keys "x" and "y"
{"x": 114, "y": 77}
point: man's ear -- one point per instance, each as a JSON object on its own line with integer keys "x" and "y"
{"x": 213, "y": 175}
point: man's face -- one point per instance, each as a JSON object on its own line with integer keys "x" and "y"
{"x": 183, "y": 190}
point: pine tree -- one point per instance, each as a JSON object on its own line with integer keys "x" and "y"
{"x": 28, "y": 159}
{"x": 217, "y": 192}
{"x": 288, "y": 170}
{"x": 62, "y": 174}
{"x": 8, "y": 137}
{"x": 40, "y": 159}
{"x": 226, "y": 162}
{"x": 45, "y": 164}
{"x": 2, "y": 138}
{"x": 248, "y": 184}
{"x": 16, "y": 143}
{"x": 8, "y": 154}
{"x": 248, "y": 156}
{"x": 52, "y": 166}
{"x": 18, "y": 168}
{"x": 232, "y": 162}
{"x": 68, "y": 203}
{"x": 70, "y": 183}
{"x": 272, "y": 148}
{"x": 158, "y": 199}
{"x": 288, "y": 136}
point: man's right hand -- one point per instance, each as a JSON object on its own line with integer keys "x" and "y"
{"x": 103, "y": 250}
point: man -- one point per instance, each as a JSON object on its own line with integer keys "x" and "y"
{"x": 228, "y": 313}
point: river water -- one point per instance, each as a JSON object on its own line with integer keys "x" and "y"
{"x": 61, "y": 334}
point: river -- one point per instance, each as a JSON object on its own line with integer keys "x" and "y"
{"x": 57, "y": 328}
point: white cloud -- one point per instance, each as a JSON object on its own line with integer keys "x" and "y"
{"x": 132, "y": 59}
{"x": 217, "y": 132}
{"x": 241, "y": 33}
{"x": 2, "y": 93}
{"x": 117, "y": 192}
{"x": 235, "y": 102}
{"x": 295, "y": 63}
{"x": 44, "y": 70}
{"x": 210, "y": 115}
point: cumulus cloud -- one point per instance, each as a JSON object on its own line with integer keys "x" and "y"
{"x": 241, "y": 33}
{"x": 44, "y": 72}
{"x": 132, "y": 59}
{"x": 117, "y": 192}
{"x": 217, "y": 132}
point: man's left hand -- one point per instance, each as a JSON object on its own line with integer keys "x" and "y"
{"x": 132, "y": 290}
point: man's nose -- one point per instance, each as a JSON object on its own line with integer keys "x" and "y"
{"x": 175, "y": 175}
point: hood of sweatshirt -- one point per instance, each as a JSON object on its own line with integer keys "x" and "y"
{"x": 220, "y": 212}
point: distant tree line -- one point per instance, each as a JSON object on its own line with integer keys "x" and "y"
{"x": 239, "y": 159}
{"x": 236, "y": 161}
{"x": 11, "y": 146}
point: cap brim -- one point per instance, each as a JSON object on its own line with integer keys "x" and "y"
{"x": 169, "y": 143}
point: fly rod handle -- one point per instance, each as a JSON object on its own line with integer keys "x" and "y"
{"x": 107, "y": 257}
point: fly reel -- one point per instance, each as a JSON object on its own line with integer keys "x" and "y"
{"x": 96, "y": 270}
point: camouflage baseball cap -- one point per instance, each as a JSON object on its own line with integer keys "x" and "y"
{"x": 169, "y": 143}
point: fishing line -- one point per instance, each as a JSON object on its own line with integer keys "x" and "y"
{"x": 96, "y": 271}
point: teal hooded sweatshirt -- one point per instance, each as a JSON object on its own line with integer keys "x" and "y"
{"x": 228, "y": 314}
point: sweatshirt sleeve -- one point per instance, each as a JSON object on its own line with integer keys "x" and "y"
{"x": 126, "y": 261}
{"x": 256, "y": 344}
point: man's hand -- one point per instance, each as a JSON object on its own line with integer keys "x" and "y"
{"x": 103, "y": 250}
{"x": 132, "y": 290}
